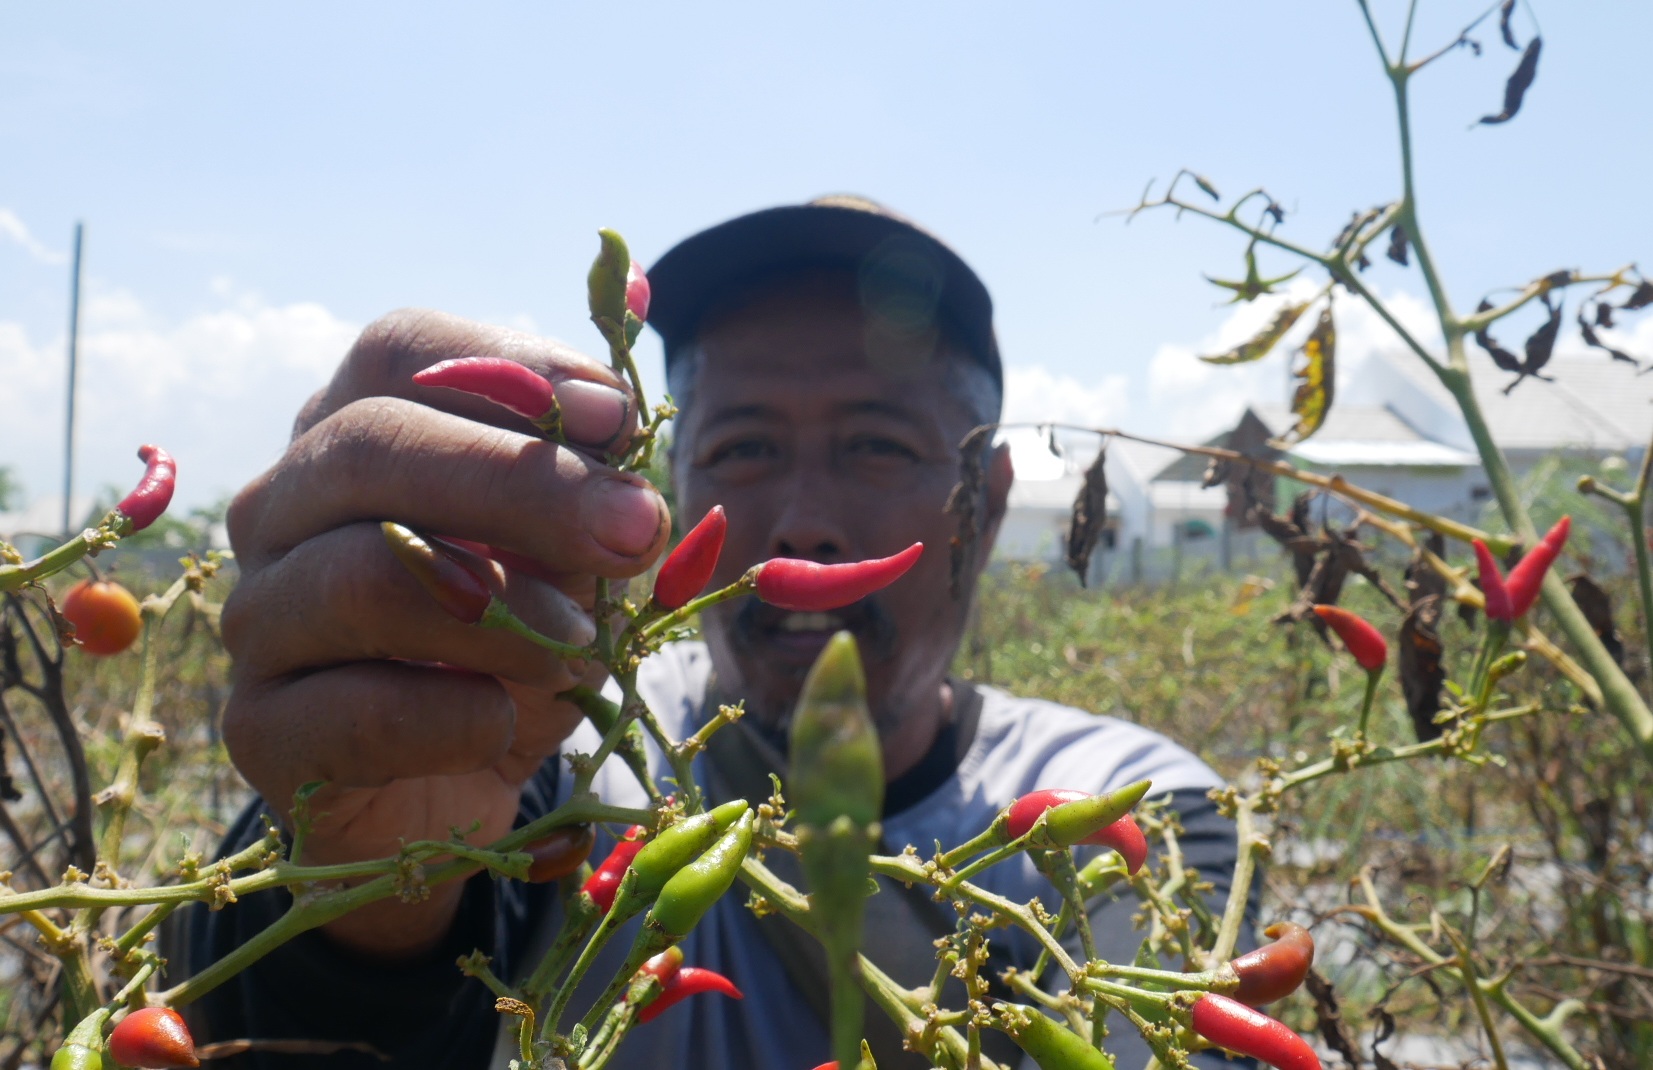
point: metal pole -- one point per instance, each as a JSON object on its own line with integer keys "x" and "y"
{"x": 69, "y": 421}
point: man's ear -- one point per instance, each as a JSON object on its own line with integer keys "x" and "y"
{"x": 1000, "y": 475}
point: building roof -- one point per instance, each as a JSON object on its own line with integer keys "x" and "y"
{"x": 1365, "y": 435}
{"x": 1595, "y": 403}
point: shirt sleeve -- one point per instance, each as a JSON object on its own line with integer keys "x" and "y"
{"x": 1208, "y": 845}
{"x": 351, "y": 1010}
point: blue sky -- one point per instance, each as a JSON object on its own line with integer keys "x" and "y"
{"x": 259, "y": 182}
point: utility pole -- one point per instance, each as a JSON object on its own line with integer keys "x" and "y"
{"x": 69, "y": 421}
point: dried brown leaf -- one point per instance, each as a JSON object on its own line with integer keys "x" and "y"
{"x": 968, "y": 505}
{"x": 1588, "y": 333}
{"x": 1640, "y": 297}
{"x": 1090, "y": 517}
{"x": 1421, "y": 673}
{"x": 1505, "y": 10}
{"x": 1316, "y": 380}
{"x": 1597, "y": 607}
{"x": 1502, "y": 357}
{"x": 1258, "y": 345}
{"x": 1397, "y": 245}
{"x": 1515, "y": 89}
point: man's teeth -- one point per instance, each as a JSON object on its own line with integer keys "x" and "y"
{"x": 811, "y": 622}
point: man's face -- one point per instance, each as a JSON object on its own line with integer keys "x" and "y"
{"x": 816, "y": 452}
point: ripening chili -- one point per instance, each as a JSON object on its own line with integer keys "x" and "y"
{"x": 686, "y": 982}
{"x": 637, "y": 291}
{"x": 1365, "y": 643}
{"x": 1077, "y": 817}
{"x": 153, "y": 493}
{"x": 1231, "y": 1024}
{"x": 155, "y": 1038}
{"x": 813, "y": 587}
{"x": 1274, "y": 970}
{"x": 605, "y": 880}
{"x": 560, "y": 853}
{"x": 503, "y": 382}
{"x": 1493, "y": 591}
{"x": 689, "y": 567}
{"x": 456, "y": 588}
{"x": 1527, "y": 576}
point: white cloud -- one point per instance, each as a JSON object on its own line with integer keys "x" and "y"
{"x": 1032, "y": 393}
{"x": 13, "y": 229}
{"x": 218, "y": 388}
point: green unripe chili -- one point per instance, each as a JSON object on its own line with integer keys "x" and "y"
{"x": 837, "y": 767}
{"x": 74, "y": 1056}
{"x": 670, "y": 850}
{"x": 1051, "y": 1046}
{"x": 692, "y": 890}
{"x": 83, "y": 1048}
{"x": 606, "y": 283}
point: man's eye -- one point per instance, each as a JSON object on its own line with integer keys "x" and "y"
{"x": 745, "y": 449}
{"x": 882, "y": 448}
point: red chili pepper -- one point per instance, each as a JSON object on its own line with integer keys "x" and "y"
{"x": 1122, "y": 834}
{"x": 637, "y": 291}
{"x": 153, "y": 1037}
{"x": 811, "y": 587}
{"x": 686, "y": 982}
{"x": 456, "y": 588}
{"x": 501, "y": 381}
{"x": 689, "y": 567}
{"x": 1493, "y": 590}
{"x": 560, "y": 853}
{"x": 1365, "y": 642}
{"x": 1275, "y": 970}
{"x": 1231, "y": 1024}
{"x": 1528, "y": 574}
{"x": 153, "y": 493}
{"x": 664, "y": 966}
{"x": 604, "y": 882}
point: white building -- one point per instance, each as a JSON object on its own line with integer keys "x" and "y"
{"x": 1393, "y": 429}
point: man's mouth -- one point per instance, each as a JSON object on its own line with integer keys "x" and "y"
{"x": 794, "y": 623}
{"x": 795, "y": 639}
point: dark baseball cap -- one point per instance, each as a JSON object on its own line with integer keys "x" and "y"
{"x": 906, "y": 272}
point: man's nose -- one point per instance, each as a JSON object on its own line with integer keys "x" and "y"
{"x": 810, "y": 521}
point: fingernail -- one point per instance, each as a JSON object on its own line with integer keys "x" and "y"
{"x": 623, "y": 517}
{"x": 592, "y": 414}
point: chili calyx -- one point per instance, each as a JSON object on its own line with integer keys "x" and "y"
{"x": 153, "y": 493}
{"x": 503, "y": 382}
{"x": 155, "y": 1038}
{"x": 813, "y": 587}
{"x": 1274, "y": 970}
{"x": 685, "y": 982}
{"x": 1364, "y": 642}
{"x": 1230, "y": 1024}
{"x": 689, "y": 567}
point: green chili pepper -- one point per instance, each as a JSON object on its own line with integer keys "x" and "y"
{"x": 668, "y": 852}
{"x": 1050, "y": 1045}
{"x": 606, "y": 284}
{"x": 836, "y": 783}
{"x": 692, "y": 890}
{"x": 83, "y": 1048}
{"x": 837, "y": 767}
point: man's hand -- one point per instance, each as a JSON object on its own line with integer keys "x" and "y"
{"x": 336, "y": 646}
